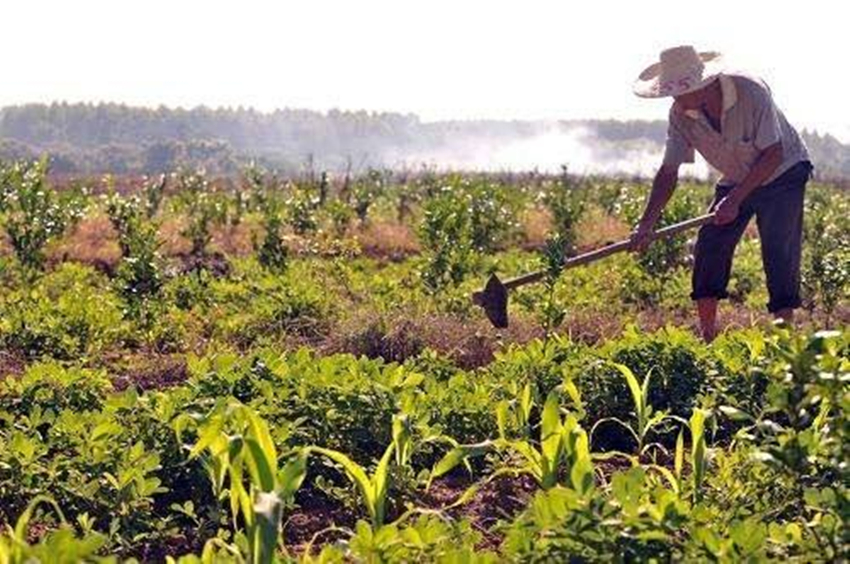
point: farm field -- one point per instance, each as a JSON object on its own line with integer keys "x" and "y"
{"x": 262, "y": 369}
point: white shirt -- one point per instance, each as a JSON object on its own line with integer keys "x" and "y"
{"x": 750, "y": 122}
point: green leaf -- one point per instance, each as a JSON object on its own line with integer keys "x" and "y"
{"x": 679, "y": 457}
{"x": 734, "y": 413}
{"x": 535, "y": 461}
{"x": 458, "y": 455}
{"x": 356, "y": 474}
{"x": 292, "y": 475}
{"x": 209, "y": 433}
{"x": 380, "y": 485}
{"x": 526, "y": 402}
{"x": 259, "y": 430}
{"x": 698, "y": 450}
{"x": 634, "y": 388}
{"x": 502, "y": 418}
{"x": 581, "y": 476}
{"x": 573, "y": 391}
{"x": 262, "y": 469}
{"x": 551, "y": 433}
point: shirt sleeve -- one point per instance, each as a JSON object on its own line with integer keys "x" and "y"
{"x": 677, "y": 149}
{"x": 767, "y": 127}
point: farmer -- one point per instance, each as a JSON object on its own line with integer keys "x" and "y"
{"x": 731, "y": 119}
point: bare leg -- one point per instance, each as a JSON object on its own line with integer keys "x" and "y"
{"x": 707, "y": 310}
{"x": 785, "y": 315}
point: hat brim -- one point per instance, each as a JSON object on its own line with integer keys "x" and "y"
{"x": 648, "y": 84}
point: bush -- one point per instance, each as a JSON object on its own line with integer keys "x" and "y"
{"x": 66, "y": 314}
{"x": 268, "y": 307}
{"x": 826, "y": 257}
{"x": 203, "y": 207}
{"x": 139, "y": 274}
{"x": 34, "y": 214}
{"x": 446, "y": 236}
{"x": 301, "y": 208}
{"x": 272, "y": 252}
{"x": 566, "y": 202}
{"x": 49, "y": 386}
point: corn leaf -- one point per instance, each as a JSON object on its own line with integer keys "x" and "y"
{"x": 634, "y": 388}
{"x": 380, "y": 486}
{"x": 260, "y": 468}
{"x": 458, "y": 455}
{"x": 679, "y": 459}
{"x": 551, "y": 432}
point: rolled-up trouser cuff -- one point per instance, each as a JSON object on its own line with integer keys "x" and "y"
{"x": 784, "y": 303}
{"x": 703, "y": 294}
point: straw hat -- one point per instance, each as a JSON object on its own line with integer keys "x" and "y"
{"x": 679, "y": 71}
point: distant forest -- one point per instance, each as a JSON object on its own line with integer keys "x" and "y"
{"x": 97, "y": 138}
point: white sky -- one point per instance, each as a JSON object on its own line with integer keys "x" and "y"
{"x": 439, "y": 59}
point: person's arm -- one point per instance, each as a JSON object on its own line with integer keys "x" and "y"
{"x": 763, "y": 168}
{"x": 663, "y": 186}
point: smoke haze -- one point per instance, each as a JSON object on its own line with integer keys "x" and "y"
{"x": 554, "y": 146}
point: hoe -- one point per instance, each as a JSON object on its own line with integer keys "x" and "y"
{"x": 494, "y": 297}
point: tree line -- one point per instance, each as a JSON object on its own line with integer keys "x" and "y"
{"x": 105, "y": 137}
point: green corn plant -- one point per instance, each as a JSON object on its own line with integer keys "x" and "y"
{"x": 699, "y": 453}
{"x": 560, "y": 441}
{"x": 375, "y": 488}
{"x": 515, "y": 413}
{"x": 647, "y": 420}
{"x": 563, "y": 447}
{"x": 259, "y": 494}
{"x": 679, "y": 460}
{"x": 675, "y": 477}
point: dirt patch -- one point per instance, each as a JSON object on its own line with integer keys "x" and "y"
{"x": 391, "y": 241}
{"x": 149, "y": 372}
{"x": 536, "y": 225}
{"x": 93, "y": 242}
{"x": 235, "y": 240}
{"x": 11, "y": 364}
{"x": 590, "y": 326}
{"x": 215, "y": 263}
{"x": 315, "y": 523}
{"x": 468, "y": 343}
{"x": 173, "y": 243}
{"x": 498, "y": 500}
{"x": 597, "y": 229}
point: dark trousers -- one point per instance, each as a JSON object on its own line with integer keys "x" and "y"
{"x": 778, "y": 207}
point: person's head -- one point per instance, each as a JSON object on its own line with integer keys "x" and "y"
{"x": 682, "y": 73}
{"x": 696, "y": 99}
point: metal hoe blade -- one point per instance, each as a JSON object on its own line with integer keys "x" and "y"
{"x": 494, "y": 299}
